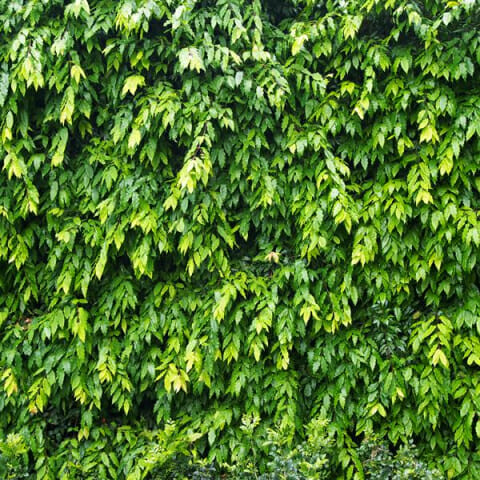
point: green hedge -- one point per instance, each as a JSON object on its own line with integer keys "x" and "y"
{"x": 166, "y": 456}
{"x": 217, "y": 208}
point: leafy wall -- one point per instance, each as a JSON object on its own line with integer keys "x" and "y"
{"x": 212, "y": 208}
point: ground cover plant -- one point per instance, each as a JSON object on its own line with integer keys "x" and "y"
{"x": 222, "y": 210}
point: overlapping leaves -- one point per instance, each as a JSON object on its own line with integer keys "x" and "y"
{"x": 211, "y": 208}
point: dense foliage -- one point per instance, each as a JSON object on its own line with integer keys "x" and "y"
{"x": 217, "y": 208}
{"x": 166, "y": 457}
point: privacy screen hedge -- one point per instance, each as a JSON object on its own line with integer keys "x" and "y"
{"x": 217, "y": 208}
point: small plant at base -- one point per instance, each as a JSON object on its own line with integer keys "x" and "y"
{"x": 381, "y": 464}
{"x": 13, "y": 458}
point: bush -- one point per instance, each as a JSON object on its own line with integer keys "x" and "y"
{"x": 217, "y": 208}
{"x": 380, "y": 464}
{"x": 274, "y": 455}
{"x": 13, "y": 457}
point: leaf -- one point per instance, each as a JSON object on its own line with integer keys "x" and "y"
{"x": 60, "y": 142}
{"x": 273, "y": 257}
{"x": 77, "y": 73}
{"x": 190, "y": 59}
{"x": 101, "y": 262}
{"x": 68, "y": 106}
{"x": 4, "y": 84}
{"x": 132, "y": 83}
{"x": 351, "y": 26}
{"x": 134, "y": 138}
{"x": 298, "y": 43}
{"x": 439, "y": 356}
{"x": 77, "y": 7}
{"x": 423, "y": 196}
{"x": 16, "y": 166}
{"x": 82, "y": 323}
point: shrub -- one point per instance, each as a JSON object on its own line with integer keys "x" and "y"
{"x": 13, "y": 457}
{"x": 168, "y": 455}
{"x": 380, "y": 464}
{"x": 217, "y": 208}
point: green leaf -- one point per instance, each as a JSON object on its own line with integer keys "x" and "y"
{"x": 59, "y": 144}
{"x": 68, "y": 106}
{"x": 190, "y": 59}
{"x": 298, "y": 43}
{"x": 132, "y": 83}
{"x": 77, "y": 73}
{"x": 4, "y": 83}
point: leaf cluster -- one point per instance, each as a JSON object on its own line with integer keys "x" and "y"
{"x": 212, "y": 208}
